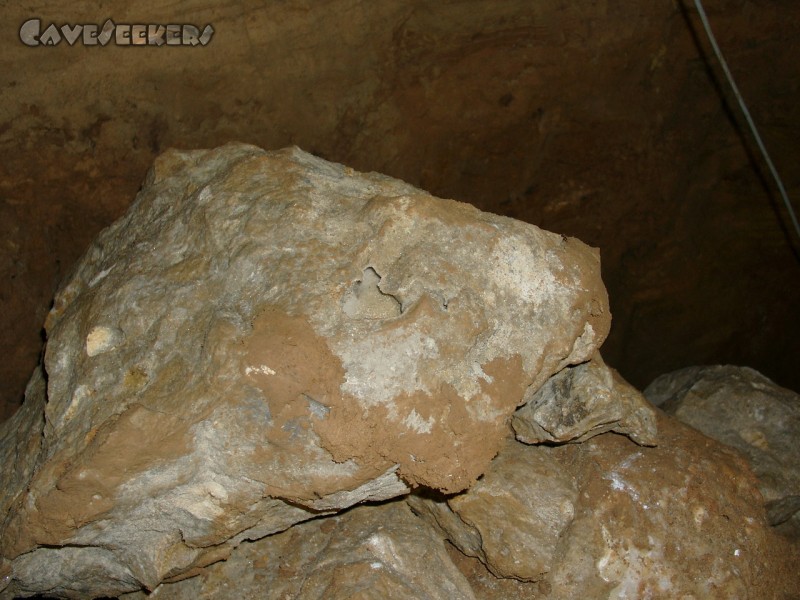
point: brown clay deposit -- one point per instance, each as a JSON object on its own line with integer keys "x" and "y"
{"x": 300, "y": 376}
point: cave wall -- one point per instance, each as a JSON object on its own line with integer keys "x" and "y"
{"x": 599, "y": 120}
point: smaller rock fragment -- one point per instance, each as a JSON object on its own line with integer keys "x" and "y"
{"x": 580, "y": 402}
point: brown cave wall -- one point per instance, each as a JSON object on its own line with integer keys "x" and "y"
{"x": 598, "y": 120}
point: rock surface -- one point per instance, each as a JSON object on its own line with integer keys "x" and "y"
{"x": 740, "y": 407}
{"x": 368, "y": 552}
{"x": 267, "y": 337}
{"x": 603, "y": 519}
{"x": 613, "y": 520}
{"x": 581, "y": 402}
{"x": 512, "y": 519}
{"x": 680, "y": 520}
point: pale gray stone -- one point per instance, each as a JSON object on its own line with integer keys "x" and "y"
{"x": 72, "y": 572}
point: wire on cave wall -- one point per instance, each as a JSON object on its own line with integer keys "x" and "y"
{"x": 721, "y": 59}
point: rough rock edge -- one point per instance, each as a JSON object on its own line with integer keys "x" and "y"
{"x": 581, "y": 402}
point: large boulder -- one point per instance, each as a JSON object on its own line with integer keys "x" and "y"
{"x": 266, "y": 337}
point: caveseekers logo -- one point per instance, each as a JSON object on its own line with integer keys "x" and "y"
{"x": 121, "y": 34}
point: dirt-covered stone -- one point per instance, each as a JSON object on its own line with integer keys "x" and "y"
{"x": 605, "y": 519}
{"x": 266, "y": 337}
{"x": 744, "y": 409}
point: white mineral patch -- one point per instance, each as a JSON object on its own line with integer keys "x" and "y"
{"x": 81, "y": 393}
{"x": 102, "y": 339}
{"x": 365, "y": 300}
{"x": 262, "y": 369}
{"x": 415, "y": 421}
{"x": 378, "y": 369}
{"x": 635, "y": 571}
{"x": 584, "y": 345}
{"x": 100, "y": 276}
{"x": 516, "y": 269}
{"x": 477, "y": 370}
{"x": 202, "y": 500}
{"x": 383, "y": 548}
{"x": 620, "y": 485}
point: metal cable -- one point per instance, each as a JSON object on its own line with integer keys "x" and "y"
{"x": 747, "y": 116}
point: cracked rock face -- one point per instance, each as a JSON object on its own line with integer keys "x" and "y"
{"x": 369, "y": 552}
{"x": 598, "y": 520}
{"x": 609, "y": 519}
{"x": 513, "y": 517}
{"x": 266, "y": 337}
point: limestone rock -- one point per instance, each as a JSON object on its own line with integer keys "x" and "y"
{"x": 614, "y": 520}
{"x": 581, "y": 402}
{"x": 740, "y": 407}
{"x": 265, "y": 337}
{"x": 378, "y": 552}
{"x": 514, "y": 516}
